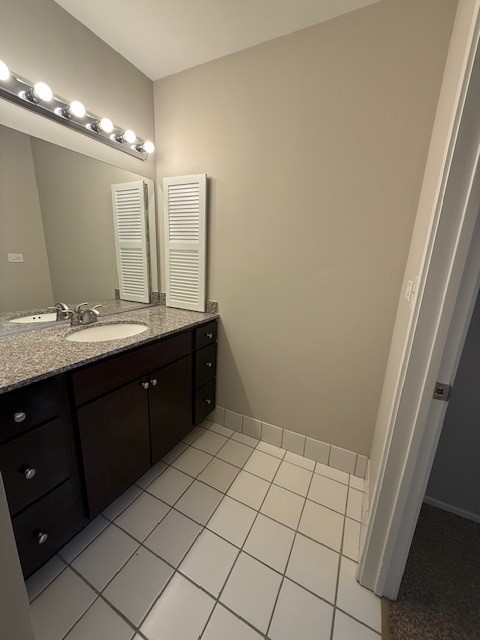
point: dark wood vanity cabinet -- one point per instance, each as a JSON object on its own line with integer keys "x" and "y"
{"x": 71, "y": 444}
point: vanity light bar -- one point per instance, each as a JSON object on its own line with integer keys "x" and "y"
{"x": 38, "y": 97}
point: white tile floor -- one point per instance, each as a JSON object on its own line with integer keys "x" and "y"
{"x": 228, "y": 538}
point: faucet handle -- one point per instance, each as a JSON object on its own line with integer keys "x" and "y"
{"x": 63, "y": 312}
{"x": 94, "y": 309}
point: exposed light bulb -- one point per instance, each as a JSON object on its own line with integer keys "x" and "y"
{"x": 105, "y": 125}
{"x": 4, "y": 71}
{"x": 77, "y": 109}
{"x": 148, "y": 146}
{"x": 41, "y": 91}
{"x": 129, "y": 136}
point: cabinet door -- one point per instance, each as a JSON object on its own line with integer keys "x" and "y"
{"x": 115, "y": 443}
{"x": 170, "y": 406}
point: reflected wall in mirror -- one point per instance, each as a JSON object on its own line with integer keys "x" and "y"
{"x": 57, "y": 233}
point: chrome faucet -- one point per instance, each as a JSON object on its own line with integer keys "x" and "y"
{"x": 62, "y": 310}
{"x": 84, "y": 316}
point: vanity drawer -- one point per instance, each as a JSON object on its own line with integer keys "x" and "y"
{"x": 56, "y": 517}
{"x": 33, "y": 464}
{"x": 25, "y": 408}
{"x": 205, "y": 365}
{"x": 206, "y": 334}
{"x": 204, "y": 401}
{"x": 105, "y": 376}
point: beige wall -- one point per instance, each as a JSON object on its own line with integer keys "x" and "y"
{"x": 455, "y": 476}
{"x": 24, "y": 285}
{"x": 316, "y": 145}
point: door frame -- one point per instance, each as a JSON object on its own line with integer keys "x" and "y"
{"x": 447, "y": 286}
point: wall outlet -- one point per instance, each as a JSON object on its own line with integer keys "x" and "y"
{"x": 15, "y": 257}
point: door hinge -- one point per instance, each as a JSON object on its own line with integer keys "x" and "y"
{"x": 442, "y": 391}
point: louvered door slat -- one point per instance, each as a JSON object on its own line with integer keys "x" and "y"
{"x": 185, "y": 241}
{"x": 131, "y": 240}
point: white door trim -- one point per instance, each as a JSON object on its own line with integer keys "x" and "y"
{"x": 415, "y": 420}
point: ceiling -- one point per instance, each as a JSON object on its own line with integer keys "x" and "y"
{"x": 162, "y": 37}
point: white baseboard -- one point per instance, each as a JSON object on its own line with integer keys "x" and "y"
{"x": 452, "y": 509}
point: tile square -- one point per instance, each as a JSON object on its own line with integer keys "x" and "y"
{"x": 355, "y": 504}
{"x": 151, "y": 474}
{"x": 180, "y": 613}
{"x": 283, "y": 506}
{"x": 223, "y": 431}
{"x": 210, "y": 442}
{"x": 328, "y": 492}
{"x": 351, "y": 539}
{"x": 233, "y": 420}
{"x": 59, "y": 607}
{"x": 43, "y": 577}
{"x": 232, "y": 521}
{"x": 293, "y": 442}
{"x": 121, "y": 503}
{"x": 314, "y": 567}
{"x": 235, "y": 453}
{"x": 175, "y": 452}
{"x": 292, "y": 477}
{"x": 139, "y": 583}
{"x": 105, "y": 556}
{"x": 262, "y": 465}
{"x": 199, "y": 502}
{"x": 245, "y": 439}
{"x": 142, "y": 516}
{"x": 270, "y": 542}
{"x": 299, "y": 614}
{"x": 322, "y": 524}
{"x": 316, "y": 450}
{"x": 345, "y": 628}
{"x": 217, "y": 415}
{"x": 361, "y": 466}
{"x": 355, "y": 600}
{"x": 252, "y": 427}
{"x": 193, "y": 461}
{"x": 206, "y": 423}
{"x": 300, "y": 461}
{"x": 169, "y": 486}
{"x": 249, "y": 489}
{"x": 272, "y": 434}
{"x": 101, "y": 621}
{"x": 342, "y": 459}
{"x": 223, "y": 625}
{"x": 251, "y": 591}
{"x": 357, "y": 483}
{"x": 173, "y": 537}
{"x": 209, "y": 561}
{"x": 330, "y": 472}
{"x": 83, "y": 539}
{"x": 195, "y": 433}
{"x": 219, "y": 474}
{"x": 271, "y": 449}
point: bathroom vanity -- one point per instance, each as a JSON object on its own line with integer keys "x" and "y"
{"x": 89, "y": 419}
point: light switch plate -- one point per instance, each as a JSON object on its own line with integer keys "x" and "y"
{"x": 15, "y": 257}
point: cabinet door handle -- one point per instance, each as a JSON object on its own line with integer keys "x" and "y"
{"x": 209, "y": 364}
{"x": 19, "y": 416}
{"x": 145, "y": 385}
{"x": 41, "y": 537}
{"x": 209, "y": 335}
{"x": 208, "y": 401}
{"x": 29, "y": 472}
{"x": 154, "y": 382}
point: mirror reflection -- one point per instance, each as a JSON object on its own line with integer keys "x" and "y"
{"x": 72, "y": 229}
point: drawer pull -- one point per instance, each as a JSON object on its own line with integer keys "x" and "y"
{"x": 208, "y": 401}
{"x": 154, "y": 382}
{"x": 19, "y": 416}
{"x": 41, "y": 537}
{"x": 145, "y": 385}
{"x": 209, "y": 364}
{"x": 209, "y": 335}
{"x": 29, "y": 473}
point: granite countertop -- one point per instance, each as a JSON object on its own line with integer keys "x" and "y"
{"x": 33, "y": 355}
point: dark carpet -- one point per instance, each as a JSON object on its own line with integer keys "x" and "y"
{"x": 439, "y": 597}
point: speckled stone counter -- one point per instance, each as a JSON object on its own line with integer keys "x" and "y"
{"x": 34, "y": 355}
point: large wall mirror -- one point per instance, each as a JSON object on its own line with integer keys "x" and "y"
{"x": 64, "y": 235}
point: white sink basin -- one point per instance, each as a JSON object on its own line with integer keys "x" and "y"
{"x": 38, "y": 317}
{"x": 106, "y": 332}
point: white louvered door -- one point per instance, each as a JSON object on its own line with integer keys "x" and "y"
{"x": 131, "y": 240}
{"x": 185, "y": 240}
